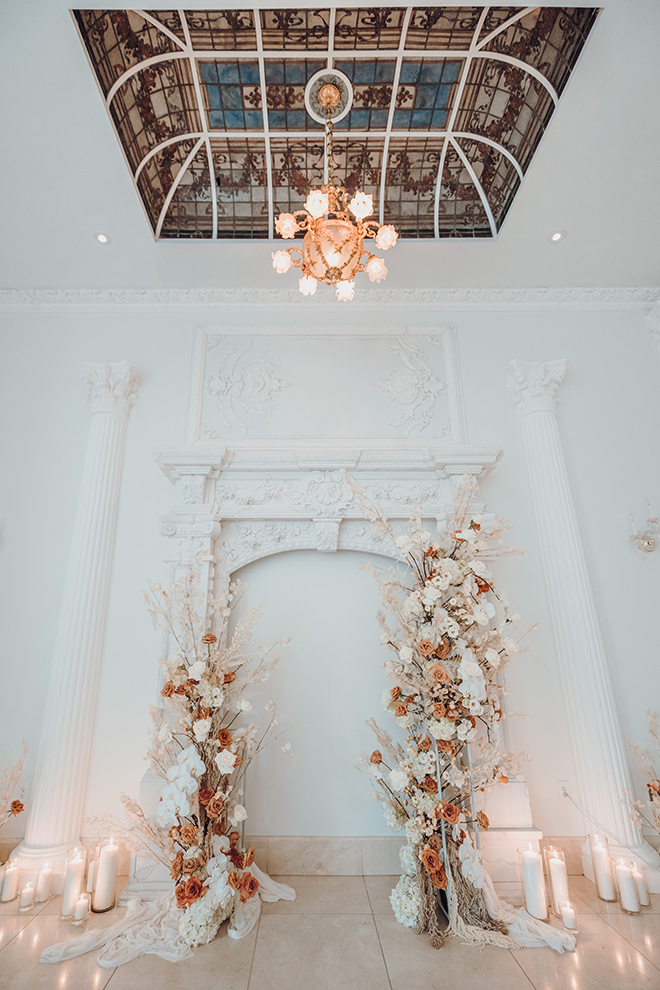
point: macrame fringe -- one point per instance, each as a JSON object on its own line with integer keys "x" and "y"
{"x": 468, "y": 915}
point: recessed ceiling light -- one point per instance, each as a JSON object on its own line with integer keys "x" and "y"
{"x": 558, "y": 235}
{"x": 103, "y": 238}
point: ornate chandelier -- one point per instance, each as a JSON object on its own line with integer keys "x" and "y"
{"x": 333, "y": 248}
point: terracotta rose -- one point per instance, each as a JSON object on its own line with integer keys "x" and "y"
{"x": 449, "y": 812}
{"x": 188, "y": 833}
{"x": 209, "y": 638}
{"x": 400, "y": 711}
{"x": 215, "y": 807}
{"x": 429, "y": 784}
{"x": 16, "y": 807}
{"x": 189, "y": 866}
{"x": 442, "y": 649}
{"x": 376, "y": 757}
{"x": 249, "y": 887}
{"x": 431, "y": 860}
{"x": 396, "y": 691}
{"x": 234, "y": 880}
{"x": 205, "y": 795}
{"x": 176, "y": 866}
{"x": 439, "y": 879}
{"x": 224, "y": 738}
{"x": 438, "y": 672}
{"x": 168, "y": 689}
{"x": 424, "y": 743}
{"x": 425, "y": 647}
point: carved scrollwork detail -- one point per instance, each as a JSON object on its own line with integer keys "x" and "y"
{"x": 250, "y": 384}
{"x": 414, "y": 385}
{"x": 245, "y": 542}
{"x": 534, "y": 385}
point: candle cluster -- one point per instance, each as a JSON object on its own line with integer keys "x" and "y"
{"x": 534, "y": 885}
{"x": 99, "y": 887}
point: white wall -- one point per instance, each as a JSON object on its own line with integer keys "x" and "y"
{"x": 609, "y": 418}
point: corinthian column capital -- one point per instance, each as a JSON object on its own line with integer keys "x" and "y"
{"x": 112, "y": 387}
{"x": 534, "y": 385}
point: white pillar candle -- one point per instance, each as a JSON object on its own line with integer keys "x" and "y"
{"x": 72, "y": 886}
{"x": 27, "y": 896}
{"x": 82, "y": 908}
{"x": 534, "y": 884}
{"x": 106, "y": 877}
{"x": 558, "y": 882}
{"x": 44, "y": 884}
{"x": 568, "y": 915}
{"x": 9, "y": 882}
{"x": 627, "y": 887}
{"x": 602, "y": 865}
{"x": 91, "y": 874}
{"x": 642, "y": 887}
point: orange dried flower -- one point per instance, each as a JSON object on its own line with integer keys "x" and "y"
{"x": 180, "y": 894}
{"x": 209, "y": 638}
{"x": 194, "y": 889}
{"x": 224, "y": 738}
{"x": 502, "y": 778}
{"x": 429, "y": 784}
{"x": 452, "y": 714}
{"x": 439, "y": 878}
{"x": 430, "y": 859}
{"x": 438, "y": 672}
{"x": 396, "y": 691}
{"x": 189, "y": 866}
{"x": 424, "y": 743}
{"x": 449, "y": 812}
{"x": 443, "y": 649}
{"x": 188, "y": 833}
{"x": 235, "y": 857}
{"x": 445, "y": 746}
{"x": 168, "y": 689}
{"x": 234, "y": 880}
{"x": 218, "y": 828}
{"x": 248, "y": 859}
{"x": 376, "y": 757}
{"x": 482, "y": 587}
{"x": 400, "y": 710}
{"x": 215, "y": 807}
{"x": 482, "y": 820}
{"x": 16, "y": 807}
{"x": 249, "y": 887}
{"x": 439, "y": 709}
{"x": 203, "y": 712}
{"x": 205, "y": 795}
{"x": 230, "y": 677}
{"x": 425, "y": 647}
{"x": 176, "y": 866}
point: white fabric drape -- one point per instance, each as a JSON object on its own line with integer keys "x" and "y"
{"x": 152, "y": 928}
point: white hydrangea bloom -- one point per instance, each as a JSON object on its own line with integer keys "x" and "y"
{"x": 406, "y": 901}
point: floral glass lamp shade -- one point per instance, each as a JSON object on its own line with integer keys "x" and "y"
{"x": 335, "y": 228}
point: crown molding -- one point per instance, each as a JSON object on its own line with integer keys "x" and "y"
{"x": 623, "y": 297}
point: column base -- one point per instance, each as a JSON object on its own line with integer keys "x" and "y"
{"x": 32, "y": 857}
{"x": 644, "y": 855}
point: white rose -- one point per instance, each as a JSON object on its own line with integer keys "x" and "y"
{"x": 239, "y": 814}
{"x": 405, "y": 653}
{"x": 245, "y": 705}
{"x": 478, "y": 567}
{"x": 201, "y": 728}
{"x": 398, "y": 779}
{"x": 441, "y": 728}
{"x": 225, "y": 761}
{"x": 196, "y": 670}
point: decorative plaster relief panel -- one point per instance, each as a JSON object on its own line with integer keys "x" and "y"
{"x": 371, "y": 385}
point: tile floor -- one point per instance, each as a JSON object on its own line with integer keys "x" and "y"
{"x": 340, "y": 934}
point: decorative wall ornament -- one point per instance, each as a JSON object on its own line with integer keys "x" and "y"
{"x": 239, "y": 373}
{"x": 112, "y": 387}
{"x": 648, "y": 540}
{"x": 414, "y": 385}
{"x": 327, "y": 534}
{"x": 245, "y": 542}
{"x": 534, "y": 385}
{"x": 325, "y": 492}
{"x": 250, "y": 384}
{"x": 623, "y": 297}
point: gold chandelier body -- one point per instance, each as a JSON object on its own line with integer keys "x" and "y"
{"x": 335, "y": 228}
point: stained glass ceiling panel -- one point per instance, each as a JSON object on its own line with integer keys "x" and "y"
{"x": 450, "y": 104}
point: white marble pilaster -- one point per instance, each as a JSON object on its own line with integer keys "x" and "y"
{"x": 62, "y": 771}
{"x": 598, "y": 747}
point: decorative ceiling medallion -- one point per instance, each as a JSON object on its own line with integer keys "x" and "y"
{"x": 328, "y": 77}
{"x": 449, "y": 106}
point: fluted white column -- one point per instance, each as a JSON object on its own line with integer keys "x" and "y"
{"x": 60, "y": 785}
{"x": 598, "y": 747}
